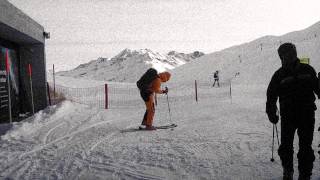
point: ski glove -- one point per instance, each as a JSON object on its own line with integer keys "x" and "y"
{"x": 165, "y": 91}
{"x": 273, "y": 118}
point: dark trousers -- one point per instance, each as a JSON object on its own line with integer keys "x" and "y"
{"x": 303, "y": 121}
{"x": 216, "y": 80}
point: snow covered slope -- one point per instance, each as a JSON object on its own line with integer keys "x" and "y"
{"x": 255, "y": 61}
{"x": 129, "y": 65}
{"x": 214, "y": 140}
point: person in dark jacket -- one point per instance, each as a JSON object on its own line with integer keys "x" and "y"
{"x": 216, "y": 78}
{"x": 294, "y": 84}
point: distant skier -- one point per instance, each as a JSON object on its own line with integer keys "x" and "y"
{"x": 216, "y": 78}
{"x": 149, "y": 84}
{"x": 295, "y": 84}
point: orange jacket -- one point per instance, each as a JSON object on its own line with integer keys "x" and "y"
{"x": 156, "y": 84}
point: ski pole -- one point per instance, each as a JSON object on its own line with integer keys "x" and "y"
{"x": 277, "y": 134}
{"x": 272, "y": 159}
{"x": 275, "y": 125}
{"x": 169, "y": 108}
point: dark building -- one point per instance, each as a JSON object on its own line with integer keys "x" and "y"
{"x": 22, "y": 42}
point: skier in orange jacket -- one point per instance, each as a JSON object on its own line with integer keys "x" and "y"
{"x": 153, "y": 88}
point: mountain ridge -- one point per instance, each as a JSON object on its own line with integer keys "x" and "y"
{"x": 128, "y": 65}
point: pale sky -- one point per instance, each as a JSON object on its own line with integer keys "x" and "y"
{"x": 82, "y": 30}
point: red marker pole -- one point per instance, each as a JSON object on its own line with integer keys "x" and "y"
{"x": 8, "y": 81}
{"x": 31, "y": 88}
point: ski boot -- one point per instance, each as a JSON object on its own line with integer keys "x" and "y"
{"x": 150, "y": 128}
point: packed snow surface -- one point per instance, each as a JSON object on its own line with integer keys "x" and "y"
{"x": 215, "y": 139}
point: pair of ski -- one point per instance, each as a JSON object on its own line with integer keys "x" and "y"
{"x": 161, "y": 127}
{"x": 170, "y": 126}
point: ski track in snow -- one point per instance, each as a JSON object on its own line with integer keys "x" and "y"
{"x": 68, "y": 136}
{"x": 209, "y": 143}
{"x": 51, "y": 133}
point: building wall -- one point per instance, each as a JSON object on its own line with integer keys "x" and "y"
{"x": 16, "y": 27}
{"x": 20, "y": 22}
{"x": 33, "y": 54}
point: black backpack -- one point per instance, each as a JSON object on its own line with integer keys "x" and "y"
{"x": 144, "y": 82}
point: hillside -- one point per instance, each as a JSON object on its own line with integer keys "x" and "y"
{"x": 255, "y": 61}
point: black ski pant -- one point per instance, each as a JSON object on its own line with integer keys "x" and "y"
{"x": 303, "y": 121}
{"x": 214, "y": 83}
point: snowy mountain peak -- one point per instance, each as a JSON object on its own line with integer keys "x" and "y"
{"x": 128, "y": 65}
{"x": 128, "y": 53}
{"x": 124, "y": 53}
{"x": 159, "y": 61}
